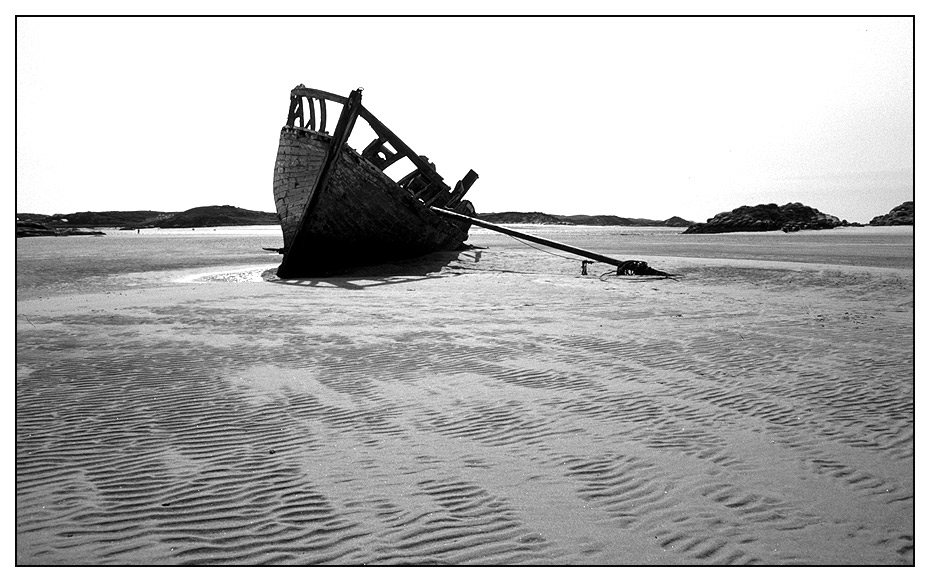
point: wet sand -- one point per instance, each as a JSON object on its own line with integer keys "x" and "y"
{"x": 466, "y": 409}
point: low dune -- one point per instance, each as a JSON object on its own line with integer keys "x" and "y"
{"x": 486, "y": 407}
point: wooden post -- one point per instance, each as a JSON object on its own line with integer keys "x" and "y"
{"x": 311, "y": 115}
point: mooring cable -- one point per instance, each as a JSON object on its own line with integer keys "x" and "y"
{"x": 532, "y": 246}
{"x": 588, "y": 262}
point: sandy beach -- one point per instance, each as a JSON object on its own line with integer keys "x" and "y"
{"x": 178, "y": 404}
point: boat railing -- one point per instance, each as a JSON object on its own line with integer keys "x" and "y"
{"x": 424, "y": 183}
{"x": 302, "y": 112}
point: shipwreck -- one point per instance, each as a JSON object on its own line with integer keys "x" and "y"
{"x": 339, "y": 209}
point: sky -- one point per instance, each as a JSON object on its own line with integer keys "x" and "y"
{"x": 632, "y": 116}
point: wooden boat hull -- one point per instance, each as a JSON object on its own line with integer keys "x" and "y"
{"x": 348, "y": 213}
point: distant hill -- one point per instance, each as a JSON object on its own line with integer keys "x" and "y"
{"x": 193, "y": 218}
{"x": 677, "y": 221}
{"x": 577, "y": 219}
{"x": 902, "y": 214}
{"x": 216, "y": 216}
{"x": 520, "y": 218}
{"x": 765, "y": 217}
{"x": 206, "y": 216}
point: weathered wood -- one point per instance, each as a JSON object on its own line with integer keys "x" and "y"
{"x": 439, "y": 198}
{"x": 461, "y": 188}
{"x": 376, "y": 147}
{"x": 302, "y": 91}
{"x": 406, "y": 180}
{"x": 298, "y": 94}
{"x": 301, "y": 153}
{"x": 337, "y": 207}
{"x": 340, "y": 136}
{"x": 393, "y": 157}
{"x": 399, "y": 145}
{"x": 295, "y": 111}
{"x": 364, "y": 218}
{"x": 311, "y": 121}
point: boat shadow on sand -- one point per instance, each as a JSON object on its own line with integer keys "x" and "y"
{"x": 431, "y": 266}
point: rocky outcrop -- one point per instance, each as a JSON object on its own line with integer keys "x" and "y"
{"x": 765, "y": 217}
{"x": 902, "y": 214}
{"x": 31, "y": 228}
{"x": 27, "y": 228}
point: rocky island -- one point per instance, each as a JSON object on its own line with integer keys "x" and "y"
{"x": 789, "y": 217}
{"x": 903, "y": 214}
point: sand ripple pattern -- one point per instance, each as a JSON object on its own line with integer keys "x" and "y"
{"x": 221, "y": 433}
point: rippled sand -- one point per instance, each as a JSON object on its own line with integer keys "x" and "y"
{"x": 499, "y": 409}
